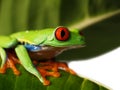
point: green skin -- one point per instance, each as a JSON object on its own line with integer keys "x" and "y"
{"x": 43, "y": 38}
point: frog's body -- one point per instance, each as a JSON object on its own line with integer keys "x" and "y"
{"x": 39, "y": 44}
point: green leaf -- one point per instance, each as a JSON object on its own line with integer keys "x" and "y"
{"x": 92, "y": 20}
{"x": 27, "y": 81}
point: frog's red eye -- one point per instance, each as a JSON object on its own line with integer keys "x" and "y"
{"x": 62, "y": 34}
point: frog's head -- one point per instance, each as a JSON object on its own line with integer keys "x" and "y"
{"x": 64, "y": 37}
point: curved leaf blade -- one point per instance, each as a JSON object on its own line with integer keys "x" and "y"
{"x": 89, "y": 21}
{"x": 27, "y": 81}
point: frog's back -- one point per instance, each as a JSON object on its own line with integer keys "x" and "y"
{"x": 7, "y": 42}
{"x": 33, "y": 36}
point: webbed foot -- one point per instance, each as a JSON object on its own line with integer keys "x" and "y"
{"x": 10, "y": 63}
{"x": 52, "y": 69}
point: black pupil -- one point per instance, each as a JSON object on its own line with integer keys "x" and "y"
{"x": 62, "y": 33}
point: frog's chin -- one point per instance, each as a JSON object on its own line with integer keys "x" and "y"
{"x": 48, "y": 52}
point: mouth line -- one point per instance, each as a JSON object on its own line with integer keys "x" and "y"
{"x": 75, "y": 46}
{"x": 47, "y": 47}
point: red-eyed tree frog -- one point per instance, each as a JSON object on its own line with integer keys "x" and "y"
{"x": 35, "y": 49}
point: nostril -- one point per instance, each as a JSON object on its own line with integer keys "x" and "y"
{"x": 82, "y": 40}
{"x": 81, "y": 33}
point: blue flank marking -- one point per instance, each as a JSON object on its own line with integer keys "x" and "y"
{"x": 32, "y": 48}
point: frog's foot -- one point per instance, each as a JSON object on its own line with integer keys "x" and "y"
{"x": 10, "y": 63}
{"x": 52, "y": 69}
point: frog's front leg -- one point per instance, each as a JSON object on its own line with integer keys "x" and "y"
{"x": 26, "y": 62}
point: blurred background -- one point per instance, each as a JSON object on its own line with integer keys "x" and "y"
{"x": 19, "y": 15}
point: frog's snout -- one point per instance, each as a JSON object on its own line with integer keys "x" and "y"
{"x": 82, "y": 39}
{"x": 81, "y": 33}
